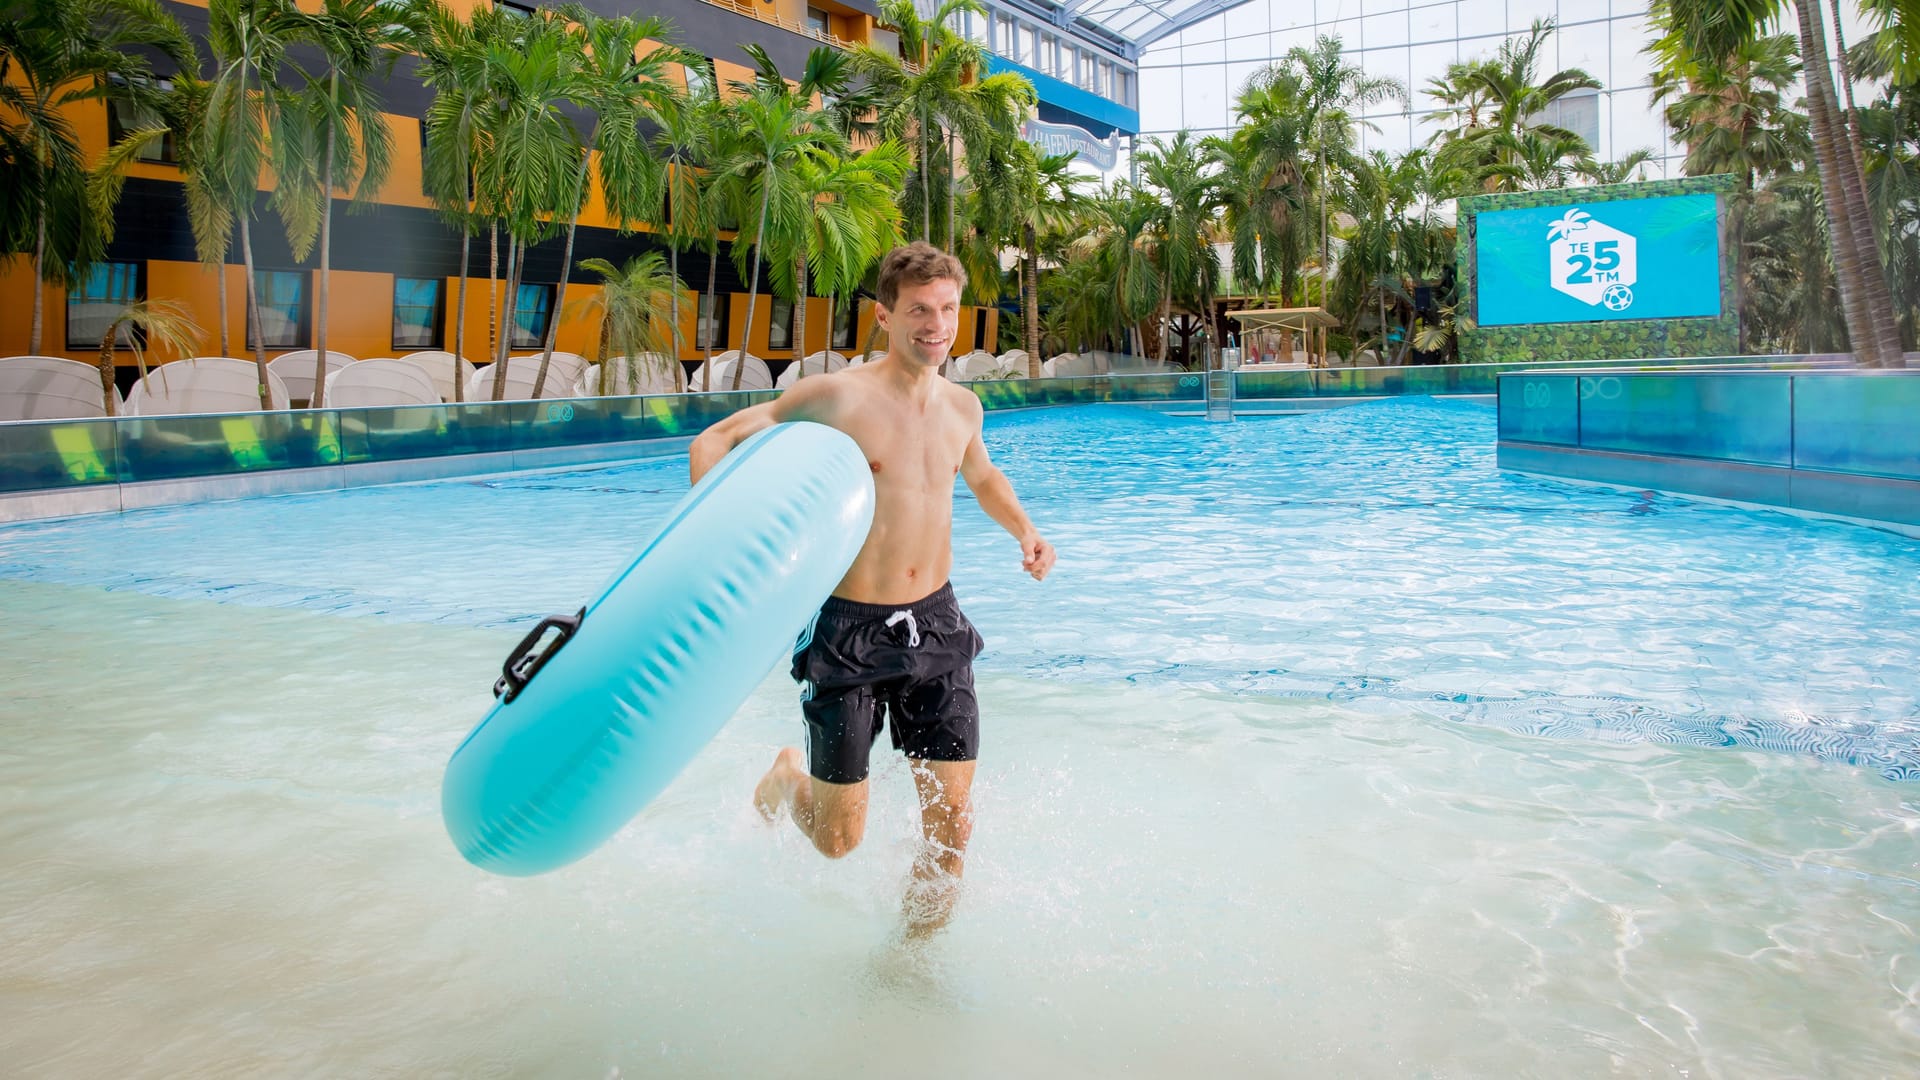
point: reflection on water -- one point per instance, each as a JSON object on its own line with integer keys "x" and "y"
{"x": 225, "y": 858}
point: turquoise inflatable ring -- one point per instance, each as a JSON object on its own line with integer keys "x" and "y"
{"x": 600, "y": 710}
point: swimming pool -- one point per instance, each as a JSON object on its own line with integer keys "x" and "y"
{"x": 1329, "y": 749}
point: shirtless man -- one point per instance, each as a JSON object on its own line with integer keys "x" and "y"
{"x": 891, "y": 639}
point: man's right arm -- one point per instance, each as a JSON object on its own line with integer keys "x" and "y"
{"x": 809, "y": 399}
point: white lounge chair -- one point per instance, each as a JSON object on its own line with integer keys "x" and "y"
{"x": 820, "y": 363}
{"x": 380, "y": 383}
{"x": 441, "y": 366}
{"x": 566, "y": 366}
{"x": 50, "y": 388}
{"x": 1073, "y": 365}
{"x": 521, "y": 371}
{"x": 296, "y": 371}
{"x": 755, "y": 377}
{"x": 619, "y": 376}
{"x": 1014, "y": 360}
{"x": 204, "y": 384}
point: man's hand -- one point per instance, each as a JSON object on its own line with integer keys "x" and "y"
{"x": 1036, "y": 556}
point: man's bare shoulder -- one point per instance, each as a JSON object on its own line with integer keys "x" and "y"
{"x": 964, "y": 401}
{"x": 821, "y": 397}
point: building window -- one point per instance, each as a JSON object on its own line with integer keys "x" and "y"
{"x": 418, "y": 304}
{"x": 699, "y": 77}
{"x": 97, "y": 298}
{"x": 979, "y": 329}
{"x": 817, "y": 22}
{"x": 283, "y": 309}
{"x": 532, "y": 309}
{"x": 780, "y": 325}
{"x": 124, "y": 116}
{"x": 509, "y": 7}
{"x": 710, "y": 332}
{"x": 843, "y": 325}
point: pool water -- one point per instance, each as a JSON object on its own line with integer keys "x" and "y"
{"x": 1328, "y": 750}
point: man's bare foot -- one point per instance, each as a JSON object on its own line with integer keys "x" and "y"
{"x": 775, "y": 789}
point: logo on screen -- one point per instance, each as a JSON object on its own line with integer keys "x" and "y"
{"x": 1591, "y": 261}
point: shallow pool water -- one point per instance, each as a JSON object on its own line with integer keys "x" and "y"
{"x": 1329, "y": 750}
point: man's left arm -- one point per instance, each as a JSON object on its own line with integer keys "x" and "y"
{"x": 995, "y": 492}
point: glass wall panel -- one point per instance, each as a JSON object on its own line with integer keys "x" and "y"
{"x": 1858, "y": 423}
{"x": 1730, "y": 417}
{"x": 1540, "y": 408}
{"x": 55, "y": 454}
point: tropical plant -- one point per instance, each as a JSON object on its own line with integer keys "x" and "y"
{"x": 1185, "y": 259}
{"x": 334, "y": 134}
{"x": 145, "y": 323}
{"x": 683, "y": 144}
{"x": 1732, "y": 116}
{"x": 453, "y": 53}
{"x": 1331, "y": 87}
{"x": 529, "y": 175}
{"x": 847, "y": 221}
{"x": 635, "y": 305}
{"x": 55, "y": 55}
{"x": 622, "y": 81}
{"x": 249, "y": 39}
{"x": 1262, "y": 186}
{"x": 933, "y": 90}
{"x": 1498, "y": 139}
{"x": 774, "y": 130}
{"x": 1709, "y": 29}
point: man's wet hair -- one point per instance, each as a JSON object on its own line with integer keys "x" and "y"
{"x": 917, "y": 263}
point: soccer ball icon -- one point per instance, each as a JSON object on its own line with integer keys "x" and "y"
{"x": 1617, "y": 298}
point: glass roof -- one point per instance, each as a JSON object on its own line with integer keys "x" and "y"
{"x": 1139, "y": 22}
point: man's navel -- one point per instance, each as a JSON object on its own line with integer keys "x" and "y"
{"x": 874, "y": 466}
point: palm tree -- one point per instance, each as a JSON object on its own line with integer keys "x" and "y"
{"x": 635, "y": 303}
{"x": 1732, "y": 116}
{"x": 145, "y": 322}
{"x": 683, "y": 145}
{"x": 54, "y": 55}
{"x": 453, "y": 54}
{"x": 1187, "y": 264}
{"x": 774, "y": 130}
{"x": 1331, "y": 87}
{"x": 334, "y": 135}
{"x": 1121, "y": 247}
{"x": 534, "y": 150}
{"x": 848, "y": 220}
{"x": 1048, "y": 202}
{"x": 934, "y": 89}
{"x": 1717, "y": 28}
{"x": 622, "y": 87}
{"x": 1496, "y": 104}
{"x": 1263, "y": 188}
{"x": 209, "y": 210}
{"x": 1624, "y": 171}
{"x": 249, "y": 39}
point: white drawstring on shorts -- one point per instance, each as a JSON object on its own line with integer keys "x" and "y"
{"x": 913, "y": 628}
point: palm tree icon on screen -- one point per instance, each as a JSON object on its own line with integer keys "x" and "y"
{"x": 1575, "y": 221}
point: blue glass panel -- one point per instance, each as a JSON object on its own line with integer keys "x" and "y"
{"x": 424, "y": 431}
{"x": 45, "y": 455}
{"x": 1860, "y": 423}
{"x": 1541, "y": 409}
{"x": 1730, "y": 417}
{"x": 178, "y": 447}
{"x": 1273, "y": 384}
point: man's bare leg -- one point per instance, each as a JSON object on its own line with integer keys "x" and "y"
{"x": 946, "y": 824}
{"x": 833, "y": 816}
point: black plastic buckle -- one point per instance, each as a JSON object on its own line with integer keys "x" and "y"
{"x": 524, "y": 662}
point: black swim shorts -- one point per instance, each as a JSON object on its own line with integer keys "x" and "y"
{"x": 913, "y": 663}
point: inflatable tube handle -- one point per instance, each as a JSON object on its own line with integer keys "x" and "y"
{"x": 523, "y": 663}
